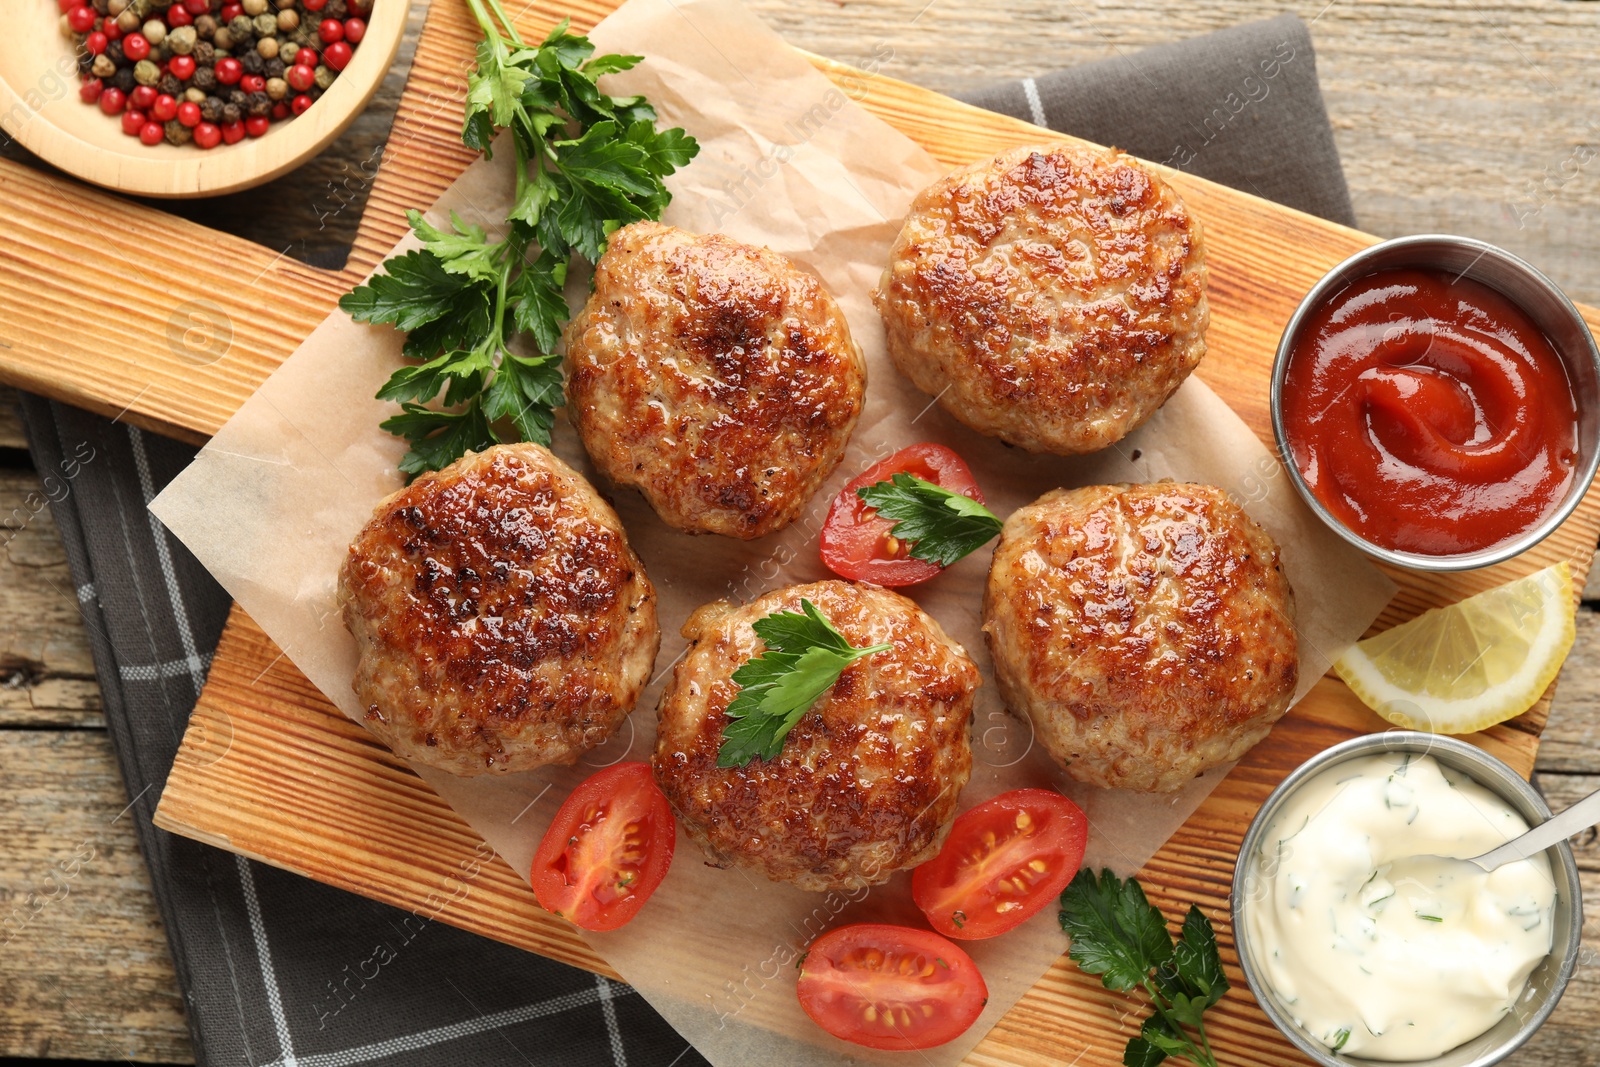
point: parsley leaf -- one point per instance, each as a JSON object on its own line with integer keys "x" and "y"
{"x": 587, "y": 163}
{"x": 940, "y": 526}
{"x": 1119, "y": 935}
{"x": 804, "y": 656}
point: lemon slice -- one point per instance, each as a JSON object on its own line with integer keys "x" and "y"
{"x": 1462, "y": 668}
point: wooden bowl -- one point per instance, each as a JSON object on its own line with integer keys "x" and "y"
{"x": 40, "y": 108}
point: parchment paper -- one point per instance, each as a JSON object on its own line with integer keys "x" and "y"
{"x": 789, "y": 161}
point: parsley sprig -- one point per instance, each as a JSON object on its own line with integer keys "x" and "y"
{"x": 587, "y": 163}
{"x": 1119, "y": 935}
{"x": 804, "y": 656}
{"x": 939, "y": 525}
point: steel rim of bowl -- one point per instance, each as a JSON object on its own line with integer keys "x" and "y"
{"x": 1489, "y": 772}
{"x": 1351, "y": 269}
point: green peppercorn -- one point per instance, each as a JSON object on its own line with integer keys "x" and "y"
{"x": 324, "y": 76}
{"x": 265, "y": 25}
{"x": 177, "y": 132}
{"x": 145, "y": 72}
{"x": 286, "y": 53}
{"x": 194, "y": 96}
{"x": 181, "y": 40}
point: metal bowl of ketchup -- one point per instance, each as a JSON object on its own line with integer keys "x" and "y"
{"x": 1437, "y": 402}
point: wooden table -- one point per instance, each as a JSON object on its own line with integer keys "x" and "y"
{"x": 1463, "y": 117}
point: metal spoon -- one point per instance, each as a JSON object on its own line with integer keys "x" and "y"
{"x": 1582, "y": 815}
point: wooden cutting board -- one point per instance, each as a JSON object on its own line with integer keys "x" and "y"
{"x": 270, "y": 769}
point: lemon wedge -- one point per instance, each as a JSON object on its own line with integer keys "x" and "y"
{"x": 1465, "y": 667}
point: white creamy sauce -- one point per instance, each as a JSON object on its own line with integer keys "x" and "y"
{"x": 1373, "y": 951}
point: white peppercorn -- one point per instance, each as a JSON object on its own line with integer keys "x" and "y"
{"x": 116, "y": 7}
{"x": 253, "y": 7}
{"x": 128, "y": 21}
{"x": 277, "y": 88}
{"x": 267, "y": 48}
{"x": 194, "y": 96}
{"x": 104, "y": 66}
{"x": 155, "y": 31}
{"x": 223, "y": 38}
{"x": 288, "y": 19}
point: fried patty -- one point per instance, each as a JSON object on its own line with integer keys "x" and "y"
{"x": 502, "y": 621}
{"x": 1053, "y": 297}
{"x": 1147, "y": 630}
{"x": 867, "y": 781}
{"x": 717, "y": 378}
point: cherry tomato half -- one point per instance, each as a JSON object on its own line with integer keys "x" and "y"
{"x": 1004, "y": 861}
{"x": 890, "y": 987}
{"x": 607, "y": 850}
{"x": 855, "y": 540}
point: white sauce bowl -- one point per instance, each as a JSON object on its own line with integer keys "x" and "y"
{"x": 1549, "y": 979}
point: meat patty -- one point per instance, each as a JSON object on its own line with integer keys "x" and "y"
{"x": 1147, "y": 630}
{"x": 717, "y": 378}
{"x": 868, "y": 779}
{"x": 1053, "y": 297}
{"x": 502, "y": 621}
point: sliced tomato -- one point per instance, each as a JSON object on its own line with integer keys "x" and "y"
{"x": 856, "y": 542}
{"x": 1003, "y": 862}
{"x": 890, "y": 987}
{"x": 607, "y": 850}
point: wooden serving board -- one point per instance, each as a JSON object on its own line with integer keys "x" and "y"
{"x": 272, "y": 770}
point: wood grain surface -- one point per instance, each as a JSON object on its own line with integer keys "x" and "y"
{"x": 1441, "y": 126}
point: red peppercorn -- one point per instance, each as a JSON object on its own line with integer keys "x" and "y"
{"x": 189, "y": 113}
{"x": 136, "y": 47}
{"x": 96, "y": 43}
{"x": 253, "y": 83}
{"x": 355, "y": 29}
{"x": 142, "y": 97}
{"x": 301, "y": 103}
{"x": 89, "y": 92}
{"x": 300, "y": 78}
{"x": 195, "y": 7}
{"x": 165, "y": 109}
{"x": 181, "y": 67}
{"x": 330, "y": 30}
{"x": 337, "y": 55}
{"x": 256, "y": 125}
{"x": 152, "y": 133}
{"x": 65, "y": 6}
{"x": 230, "y": 12}
{"x": 110, "y": 28}
{"x": 207, "y": 135}
{"x": 232, "y": 132}
{"x": 112, "y": 101}
{"x": 280, "y": 110}
{"x": 132, "y": 122}
{"x": 177, "y": 16}
{"x": 229, "y": 71}
{"x": 82, "y": 18}
{"x": 313, "y": 5}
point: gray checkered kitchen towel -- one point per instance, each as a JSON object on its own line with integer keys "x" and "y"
{"x": 281, "y": 971}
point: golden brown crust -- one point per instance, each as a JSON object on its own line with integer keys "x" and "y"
{"x": 1148, "y": 630}
{"x": 503, "y": 622}
{"x": 1053, "y": 297}
{"x": 868, "y": 780}
{"x": 717, "y": 378}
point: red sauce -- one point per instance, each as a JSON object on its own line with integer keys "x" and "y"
{"x": 1430, "y": 415}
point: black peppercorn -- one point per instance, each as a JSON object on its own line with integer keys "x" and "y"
{"x": 252, "y": 62}
{"x": 258, "y": 104}
{"x": 273, "y": 68}
{"x": 102, "y": 7}
{"x": 178, "y": 133}
{"x": 85, "y": 62}
{"x": 205, "y": 79}
{"x": 211, "y": 108}
{"x": 239, "y": 98}
{"x": 170, "y": 85}
{"x": 232, "y": 113}
{"x": 336, "y": 9}
{"x": 205, "y": 53}
{"x": 114, "y": 50}
{"x": 314, "y": 93}
{"x": 123, "y": 79}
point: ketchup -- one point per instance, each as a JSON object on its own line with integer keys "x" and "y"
{"x": 1429, "y": 413}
